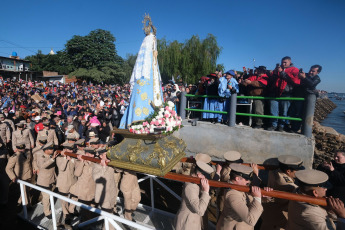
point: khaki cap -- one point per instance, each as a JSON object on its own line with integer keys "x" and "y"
{"x": 49, "y": 145}
{"x": 242, "y": 170}
{"x": 311, "y": 177}
{"x": 290, "y": 161}
{"x": 2, "y": 116}
{"x": 46, "y": 123}
{"x": 20, "y": 125}
{"x": 92, "y": 134}
{"x": 101, "y": 150}
{"x": 80, "y": 142}
{"x": 89, "y": 150}
{"x": 205, "y": 168}
{"x": 94, "y": 141}
{"x": 203, "y": 157}
{"x": 232, "y": 156}
{"x": 68, "y": 145}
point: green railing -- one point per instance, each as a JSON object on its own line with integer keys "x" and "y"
{"x": 249, "y": 114}
{"x": 253, "y": 97}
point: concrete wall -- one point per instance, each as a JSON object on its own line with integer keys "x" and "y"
{"x": 255, "y": 145}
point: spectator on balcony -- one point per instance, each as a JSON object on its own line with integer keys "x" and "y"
{"x": 256, "y": 86}
{"x": 284, "y": 79}
{"x": 308, "y": 85}
{"x": 211, "y": 103}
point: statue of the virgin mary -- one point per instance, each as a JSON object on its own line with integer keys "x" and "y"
{"x": 146, "y": 90}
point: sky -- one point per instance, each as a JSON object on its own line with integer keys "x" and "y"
{"x": 309, "y": 31}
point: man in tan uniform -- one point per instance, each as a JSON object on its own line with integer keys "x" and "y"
{"x": 3, "y": 176}
{"x": 42, "y": 141}
{"x": 103, "y": 176}
{"x": 131, "y": 192}
{"x": 304, "y": 215}
{"x": 5, "y": 133}
{"x": 10, "y": 123}
{"x": 19, "y": 167}
{"x": 22, "y": 135}
{"x": 71, "y": 138}
{"x": 230, "y": 157}
{"x": 241, "y": 210}
{"x": 49, "y": 133}
{"x": 84, "y": 189}
{"x": 283, "y": 179}
{"x": 65, "y": 178}
{"x": 46, "y": 177}
{"x": 195, "y": 199}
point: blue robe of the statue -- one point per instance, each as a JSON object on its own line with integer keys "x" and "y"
{"x": 146, "y": 84}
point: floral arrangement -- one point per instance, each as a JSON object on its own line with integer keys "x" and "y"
{"x": 164, "y": 118}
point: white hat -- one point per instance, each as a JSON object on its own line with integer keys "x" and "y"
{"x": 37, "y": 118}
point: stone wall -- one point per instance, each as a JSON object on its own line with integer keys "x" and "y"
{"x": 323, "y": 107}
{"x": 255, "y": 145}
{"x": 327, "y": 141}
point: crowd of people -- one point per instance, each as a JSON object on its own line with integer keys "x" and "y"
{"x": 241, "y": 210}
{"x": 42, "y": 123}
{"x": 285, "y": 80}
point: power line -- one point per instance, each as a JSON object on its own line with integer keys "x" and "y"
{"x": 17, "y": 45}
{"x": 33, "y": 47}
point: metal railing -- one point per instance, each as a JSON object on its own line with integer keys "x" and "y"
{"x": 107, "y": 217}
{"x": 307, "y": 120}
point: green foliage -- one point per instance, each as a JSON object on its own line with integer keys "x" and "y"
{"x": 91, "y": 57}
{"x": 190, "y": 60}
{"x": 92, "y": 50}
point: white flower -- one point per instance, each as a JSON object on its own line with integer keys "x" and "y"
{"x": 161, "y": 110}
{"x": 152, "y": 129}
{"x": 171, "y": 104}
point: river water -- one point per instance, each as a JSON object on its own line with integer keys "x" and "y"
{"x": 336, "y": 119}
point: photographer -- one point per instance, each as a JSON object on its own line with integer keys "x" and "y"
{"x": 283, "y": 80}
{"x": 308, "y": 85}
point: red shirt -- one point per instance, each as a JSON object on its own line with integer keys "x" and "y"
{"x": 292, "y": 73}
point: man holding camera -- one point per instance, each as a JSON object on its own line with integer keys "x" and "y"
{"x": 308, "y": 85}
{"x": 284, "y": 79}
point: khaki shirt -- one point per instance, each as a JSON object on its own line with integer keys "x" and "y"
{"x": 11, "y": 124}
{"x": 224, "y": 177}
{"x": 50, "y": 134}
{"x": 85, "y": 186}
{"x": 46, "y": 166}
{"x": 241, "y": 211}
{"x": 193, "y": 207}
{"x": 19, "y": 166}
{"x": 304, "y": 216}
{"x": 275, "y": 213}
{"x": 36, "y": 152}
{"x": 66, "y": 176}
{"x": 5, "y": 133}
{"x": 105, "y": 185}
{"x": 22, "y": 136}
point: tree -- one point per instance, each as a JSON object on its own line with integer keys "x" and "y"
{"x": 110, "y": 72}
{"x": 190, "y": 60}
{"x": 92, "y": 50}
